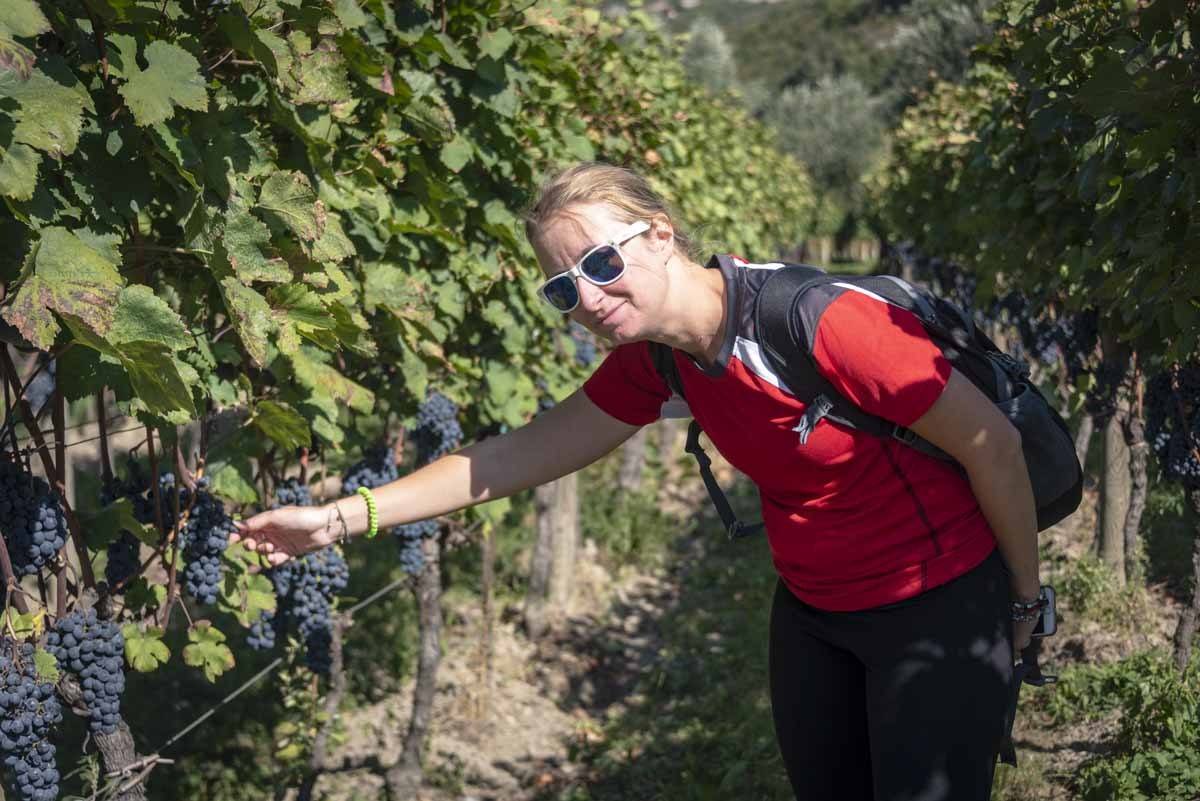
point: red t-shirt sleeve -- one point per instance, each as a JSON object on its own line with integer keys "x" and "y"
{"x": 880, "y": 356}
{"x": 627, "y": 386}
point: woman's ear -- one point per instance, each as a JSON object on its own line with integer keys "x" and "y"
{"x": 661, "y": 233}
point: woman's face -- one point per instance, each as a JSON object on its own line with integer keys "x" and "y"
{"x": 623, "y": 311}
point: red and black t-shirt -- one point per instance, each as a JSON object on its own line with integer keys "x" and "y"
{"x": 854, "y": 521}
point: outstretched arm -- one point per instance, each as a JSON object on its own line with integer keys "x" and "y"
{"x": 561, "y": 440}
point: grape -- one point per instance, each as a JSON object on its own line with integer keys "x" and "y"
{"x": 378, "y": 467}
{"x": 305, "y": 589}
{"x": 408, "y": 542}
{"x": 205, "y": 535}
{"x": 94, "y": 651}
{"x": 585, "y": 343}
{"x": 124, "y": 552}
{"x": 1173, "y": 424}
{"x": 29, "y": 710}
{"x": 31, "y": 518}
{"x": 436, "y": 431}
{"x": 291, "y": 492}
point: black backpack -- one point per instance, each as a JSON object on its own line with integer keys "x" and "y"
{"x": 1054, "y": 469}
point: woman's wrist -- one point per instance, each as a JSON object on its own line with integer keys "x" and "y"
{"x": 347, "y": 517}
{"x": 1025, "y": 591}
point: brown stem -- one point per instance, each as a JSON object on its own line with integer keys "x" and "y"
{"x": 60, "y": 455}
{"x": 1135, "y": 438}
{"x": 10, "y": 580}
{"x": 304, "y": 466}
{"x": 76, "y": 531}
{"x": 404, "y": 777}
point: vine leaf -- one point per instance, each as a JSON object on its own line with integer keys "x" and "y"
{"x": 246, "y": 595}
{"x": 282, "y": 424}
{"x": 171, "y": 79}
{"x": 30, "y": 624}
{"x": 144, "y": 648}
{"x": 289, "y": 200}
{"x": 22, "y": 18}
{"x": 207, "y": 650}
{"x": 251, "y": 316}
{"x": 18, "y": 171}
{"x": 46, "y": 666}
{"x": 143, "y": 316}
{"x": 246, "y": 237}
{"x": 107, "y": 524}
{"x": 63, "y": 274}
{"x": 152, "y": 370}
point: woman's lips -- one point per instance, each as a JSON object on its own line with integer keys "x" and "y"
{"x": 606, "y": 317}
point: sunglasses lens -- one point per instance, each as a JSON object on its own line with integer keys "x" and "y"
{"x": 562, "y": 293}
{"x": 603, "y": 265}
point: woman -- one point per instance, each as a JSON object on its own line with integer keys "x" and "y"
{"x": 892, "y": 630}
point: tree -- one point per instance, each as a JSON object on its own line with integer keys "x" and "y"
{"x": 708, "y": 57}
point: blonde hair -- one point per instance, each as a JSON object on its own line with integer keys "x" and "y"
{"x": 622, "y": 189}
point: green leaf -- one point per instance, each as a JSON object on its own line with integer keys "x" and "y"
{"x": 16, "y": 59}
{"x": 18, "y": 171}
{"x": 245, "y": 240}
{"x": 46, "y": 666}
{"x": 246, "y": 595}
{"x": 321, "y": 72}
{"x": 321, "y": 379}
{"x": 67, "y": 277}
{"x": 156, "y": 381}
{"x": 143, "y": 316}
{"x": 456, "y": 153}
{"x": 22, "y": 18}
{"x": 282, "y": 424}
{"x": 207, "y": 650}
{"x": 333, "y": 245}
{"x": 171, "y": 79}
{"x": 107, "y": 524}
{"x": 145, "y": 650}
{"x": 30, "y": 624}
{"x": 289, "y": 200}
{"x": 496, "y": 43}
{"x": 49, "y": 107}
{"x": 251, "y": 317}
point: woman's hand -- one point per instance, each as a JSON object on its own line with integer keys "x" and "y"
{"x": 1022, "y": 635}
{"x": 283, "y": 533}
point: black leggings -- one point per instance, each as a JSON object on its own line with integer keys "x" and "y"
{"x": 903, "y": 702}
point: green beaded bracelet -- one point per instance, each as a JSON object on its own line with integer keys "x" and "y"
{"x": 372, "y": 514}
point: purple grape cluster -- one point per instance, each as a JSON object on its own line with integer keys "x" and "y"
{"x": 436, "y": 431}
{"x": 290, "y": 492}
{"x": 123, "y": 552}
{"x": 376, "y": 468}
{"x": 94, "y": 650}
{"x": 408, "y": 542}
{"x": 31, "y": 519}
{"x": 304, "y": 590}
{"x": 1173, "y": 424}
{"x": 205, "y": 535}
{"x": 29, "y": 711}
{"x": 585, "y": 344}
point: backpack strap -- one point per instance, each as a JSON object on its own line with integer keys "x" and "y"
{"x": 779, "y": 326}
{"x": 663, "y": 358}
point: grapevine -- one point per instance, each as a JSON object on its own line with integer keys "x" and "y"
{"x": 436, "y": 431}
{"x": 1173, "y": 424}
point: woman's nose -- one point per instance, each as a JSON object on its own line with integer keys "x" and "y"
{"x": 591, "y": 297}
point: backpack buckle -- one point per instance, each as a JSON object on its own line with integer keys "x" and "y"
{"x": 905, "y": 435}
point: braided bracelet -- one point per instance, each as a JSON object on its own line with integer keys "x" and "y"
{"x": 372, "y": 514}
{"x": 1026, "y": 611}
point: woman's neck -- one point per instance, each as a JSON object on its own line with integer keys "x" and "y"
{"x": 695, "y": 313}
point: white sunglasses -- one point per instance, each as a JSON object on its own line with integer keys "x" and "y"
{"x": 601, "y": 265}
